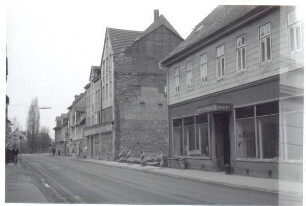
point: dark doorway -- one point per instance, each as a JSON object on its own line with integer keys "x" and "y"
{"x": 222, "y": 139}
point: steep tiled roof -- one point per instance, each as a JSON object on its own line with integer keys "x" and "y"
{"x": 161, "y": 20}
{"x": 219, "y": 18}
{"x": 77, "y": 98}
{"x": 121, "y": 38}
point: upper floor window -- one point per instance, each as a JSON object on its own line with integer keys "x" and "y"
{"x": 189, "y": 74}
{"x": 177, "y": 79}
{"x": 203, "y": 68}
{"x": 265, "y": 43}
{"x": 295, "y": 36}
{"x": 220, "y": 62}
{"x": 241, "y": 57}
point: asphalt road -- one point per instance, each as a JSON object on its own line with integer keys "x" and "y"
{"x": 64, "y": 180}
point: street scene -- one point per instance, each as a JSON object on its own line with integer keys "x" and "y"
{"x": 56, "y": 179}
{"x": 154, "y": 108}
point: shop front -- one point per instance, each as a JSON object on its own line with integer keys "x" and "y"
{"x": 250, "y": 130}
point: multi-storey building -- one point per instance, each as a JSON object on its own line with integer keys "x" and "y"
{"x": 61, "y": 134}
{"x": 133, "y": 113}
{"x": 235, "y": 93}
{"x": 77, "y": 119}
{"x": 93, "y": 110}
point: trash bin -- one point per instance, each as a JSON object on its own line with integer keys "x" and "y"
{"x": 227, "y": 169}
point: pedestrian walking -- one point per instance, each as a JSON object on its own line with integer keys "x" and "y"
{"x": 15, "y": 154}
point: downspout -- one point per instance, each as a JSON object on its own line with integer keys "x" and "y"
{"x": 167, "y": 85}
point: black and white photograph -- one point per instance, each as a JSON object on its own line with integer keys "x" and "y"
{"x": 143, "y": 102}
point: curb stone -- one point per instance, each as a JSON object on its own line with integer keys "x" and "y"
{"x": 194, "y": 179}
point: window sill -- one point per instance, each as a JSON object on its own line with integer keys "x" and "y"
{"x": 262, "y": 64}
{"x": 192, "y": 157}
{"x": 295, "y": 52}
{"x": 220, "y": 78}
{"x": 240, "y": 71}
{"x": 269, "y": 160}
{"x": 256, "y": 160}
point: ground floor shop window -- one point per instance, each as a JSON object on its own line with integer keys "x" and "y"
{"x": 257, "y": 131}
{"x": 190, "y": 136}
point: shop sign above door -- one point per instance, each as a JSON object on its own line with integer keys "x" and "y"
{"x": 215, "y": 108}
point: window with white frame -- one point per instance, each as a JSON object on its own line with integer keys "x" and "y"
{"x": 265, "y": 43}
{"x": 220, "y": 62}
{"x": 203, "y": 68}
{"x": 189, "y": 74}
{"x": 177, "y": 79}
{"x": 295, "y": 36}
{"x": 240, "y": 50}
{"x": 190, "y": 136}
{"x": 257, "y": 131}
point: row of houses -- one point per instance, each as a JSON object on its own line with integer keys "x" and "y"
{"x": 229, "y": 96}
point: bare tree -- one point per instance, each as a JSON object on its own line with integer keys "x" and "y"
{"x": 15, "y": 124}
{"x": 44, "y": 130}
{"x": 33, "y": 125}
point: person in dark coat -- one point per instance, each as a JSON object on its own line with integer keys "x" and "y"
{"x": 15, "y": 154}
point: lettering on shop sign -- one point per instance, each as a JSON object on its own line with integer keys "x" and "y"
{"x": 215, "y": 108}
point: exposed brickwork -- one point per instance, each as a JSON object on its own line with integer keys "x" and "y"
{"x": 141, "y": 105}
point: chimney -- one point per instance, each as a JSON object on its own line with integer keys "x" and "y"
{"x": 156, "y": 14}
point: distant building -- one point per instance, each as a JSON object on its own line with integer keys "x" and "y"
{"x": 8, "y": 129}
{"x": 235, "y": 89}
{"x": 61, "y": 134}
{"x": 133, "y": 111}
{"x": 77, "y": 119}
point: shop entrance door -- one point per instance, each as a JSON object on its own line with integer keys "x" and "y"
{"x": 222, "y": 140}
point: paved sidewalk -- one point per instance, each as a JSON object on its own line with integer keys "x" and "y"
{"x": 19, "y": 187}
{"x": 281, "y": 187}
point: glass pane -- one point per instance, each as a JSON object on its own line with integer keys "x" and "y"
{"x": 263, "y": 51}
{"x": 245, "y": 138}
{"x": 189, "y": 120}
{"x": 178, "y": 141}
{"x": 293, "y": 135}
{"x": 190, "y": 144}
{"x": 239, "y": 59}
{"x": 245, "y": 112}
{"x": 243, "y": 58}
{"x": 200, "y": 119}
{"x": 202, "y": 140}
{"x": 267, "y": 108}
{"x": 242, "y": 40}
{"x": 177, "y": 122}
{"x": 219, "y": 68}
{"x": 298, "y": 37}
{"x": 291, "y": 37}
{"x": 268, "y": 48}
{"x": 203, "y": 58}
{"x": 223, "y": 67}
{"x": 268, "y": 135}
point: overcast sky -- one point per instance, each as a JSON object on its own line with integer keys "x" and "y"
{"x": 51, "y": 45}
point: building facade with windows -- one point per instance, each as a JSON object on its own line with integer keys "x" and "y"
{"x": 77, "y": 123}
{"x": 61, "y": 134}
{"x": 133, "y": 101}
{"x": 235, "y": 93}
{"x": 93, "y": 112}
